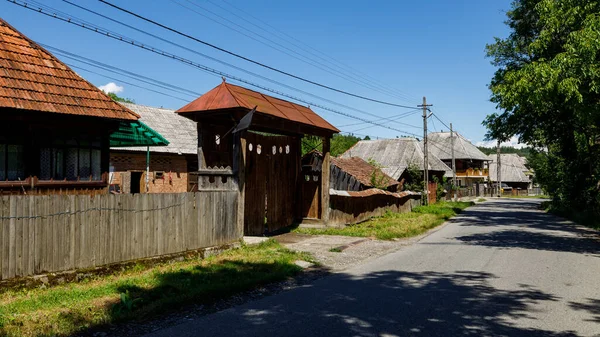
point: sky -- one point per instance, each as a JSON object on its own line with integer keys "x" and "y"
{"x": 393, "y": 51}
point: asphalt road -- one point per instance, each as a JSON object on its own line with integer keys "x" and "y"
{"x": 502, "y": 268}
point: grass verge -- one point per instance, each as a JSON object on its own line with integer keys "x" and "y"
{"x": 526, "y": 196}
{"x": 139, "y": 293}
{"x": 397, "y": 225}
{"x": 588, "y": 219}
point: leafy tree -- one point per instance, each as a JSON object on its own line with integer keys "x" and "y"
{"x": 548, "y": 85}
{"x": 120, "y": 99}
{"x": 310, "y": 143}
{"x": 339, "y": 144}
{"x": 378, "y": 178}
{"x": 367, "y": 138}
{"x": 414, "y": 179}
{"x": 523, "y": 152}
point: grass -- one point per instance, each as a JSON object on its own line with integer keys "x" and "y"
{"x": 139, "y": 293}
{"x": 481, "y": 200}
{"x": 336, "y": 250}
{"x": 526, "y": 196}
{"x": 397, "y": 225}
{"x": 588, "y": 219}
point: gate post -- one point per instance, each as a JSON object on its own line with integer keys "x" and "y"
{"x": 325, "y": 170}
{"x": 239, "y": 171}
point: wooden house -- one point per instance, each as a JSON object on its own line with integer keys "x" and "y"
{"x": 157, "y": 169}
{"x": 395, "y": 156}
{"x": 514, "y": 173}
{"x": 249, "y": 152}
{"x": 471, "y": 163}
{"x": 55, "y": 127}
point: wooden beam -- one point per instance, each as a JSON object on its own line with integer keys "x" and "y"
{"x": 325, "y": 171}
{"x": 239, "y": 170}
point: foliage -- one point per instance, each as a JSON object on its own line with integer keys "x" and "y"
{"x": 548, "y": 85}
{"x": 441, "y": 187}
{"x": 378, "y": 178}
{"x": 139, "y": 293}
{"x": 523, "y": 152}
{"x": 397, "y": 225}
{"x": 414, "y": 179}
{"x": 339, "y": 143}
{"x": 119, "y": 99}
{"x": 310, "y": 143}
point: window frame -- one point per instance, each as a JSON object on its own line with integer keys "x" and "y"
{"x": 79, "y": 144}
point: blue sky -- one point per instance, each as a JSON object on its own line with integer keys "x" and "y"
{"x": 417, "y": 48}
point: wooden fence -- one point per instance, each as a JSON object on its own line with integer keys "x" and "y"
{"x": 40, "y": 234}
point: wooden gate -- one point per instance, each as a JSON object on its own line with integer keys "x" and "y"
{"x": 272, "y": 173}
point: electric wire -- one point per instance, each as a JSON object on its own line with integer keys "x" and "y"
{"x": 251, "y": 60}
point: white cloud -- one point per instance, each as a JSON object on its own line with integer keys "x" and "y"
{"x": 111, "y": 87}
{"x": 514, "y": 142}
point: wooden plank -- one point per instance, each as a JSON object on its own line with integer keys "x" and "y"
{"x": 29, "y": 247}
{"x": 325, "y": 180}
{"x": 12, "y": 237}
{"x": 19, "y": 224}
{"x": 4, "y": 230}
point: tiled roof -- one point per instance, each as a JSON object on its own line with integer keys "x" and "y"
{"x": 178, "y": 130}
{"x": 395, "y": 155}
{"x": 228, "y": 96}
{"x": 362, "y": 171}
{"x": 33, "y": 79}
{"x": 440, "y": 144}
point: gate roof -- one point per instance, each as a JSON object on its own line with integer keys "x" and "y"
{"x": 275, "y": 113}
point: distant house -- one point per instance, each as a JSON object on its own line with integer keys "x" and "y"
{"x": 396, "y": 155}
{"x": 168, "y": 165}
{"x": 471, "y": 163}
{"x": 55, "y": 127}
{"x": 348, "y": 174}
{"x": 513, "y": 170}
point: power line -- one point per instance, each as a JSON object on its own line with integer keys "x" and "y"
{"x": 122, "y": 38}
{"x": 300, "y": 57}
{"x": 251, "y": 60}
{"x": 199, "y": 66}
{"x": 399, "y": 116}
{"x": 359, "y": 73}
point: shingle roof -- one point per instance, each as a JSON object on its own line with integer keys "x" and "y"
{"x": 513, "y": 169}
{"x": 33, "y": 79}
{"x": 440, "y": 144}
{"x": 227, "y": 96}
{"x": 362, "y": 171}
{"x": 178, "y": 130}
{"x": 395, "y": 155}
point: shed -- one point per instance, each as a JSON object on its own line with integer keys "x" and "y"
{"x": 396, "y": 155}
{"x": 261, "y": 162}
{"x": 513, "y": 170}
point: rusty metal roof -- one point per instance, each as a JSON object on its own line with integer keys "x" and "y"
{"x": 31, "y": 78}
{"x": 363, "y": 171}
{"x": 228, "y": 96}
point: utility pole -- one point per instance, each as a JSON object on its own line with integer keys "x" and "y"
{"x": 425, "y": 154}
{"x": 453, "y": 163}
{"x": 499, "y": 168}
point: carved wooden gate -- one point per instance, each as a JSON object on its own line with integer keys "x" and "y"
{"x": 272, "y": 173}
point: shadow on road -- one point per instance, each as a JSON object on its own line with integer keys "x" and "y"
{"x": 522, "y": 225}
{"x": 395, "y": 303}
{"x": 592, "y": 306}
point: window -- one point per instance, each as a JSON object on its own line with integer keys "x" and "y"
{"x": 71, "y": 160}
{"x": 12, "y": 164}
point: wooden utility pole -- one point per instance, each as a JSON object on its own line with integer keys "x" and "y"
{"x": 453, "y": 163}
{"x": 425, "y": 154}
{"x": 499, "y": 168}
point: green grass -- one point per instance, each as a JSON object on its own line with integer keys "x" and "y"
{"x": 588, "y": 219}
{"x": 336, "y": 250}
{"x": 481, "y": 200}
{"x": 140, "y": 293}
{"x": 397, "y": 225}
{"x": 526, "y": 196}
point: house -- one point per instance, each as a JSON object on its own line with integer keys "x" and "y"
{"x": 55, "y": 127}
{"x": 513, "y": 170}
{"x": 249, "y": 155}
{"x": 396, "y": 155}
{"x": 471, "y": 163}
{"x": 168, "y": 165}
{"x": 348, "y": 174}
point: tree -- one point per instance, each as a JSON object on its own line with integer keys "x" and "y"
{"x": 548, "y": 85}
{"x": 367, "y": 138}
{"x": 523, "y": 152}
{"x": 119, "y": 99}
{"x": 414, "y": 179}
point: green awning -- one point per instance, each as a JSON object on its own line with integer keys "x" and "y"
{"x": 136, "y": 134}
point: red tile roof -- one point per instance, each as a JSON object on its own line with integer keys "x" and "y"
{"x": 33, "y": 79}
{"x": 227, "y": 96}
{"x": 362, "y": 171}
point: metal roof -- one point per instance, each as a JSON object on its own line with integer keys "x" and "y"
{"x": 228, "y": 96}
{"x": 440, "y": 144}
{"x": 136, "y": 133}
{"x": 33, "y": 79}
{"x": 512, "y": 166}
{"x": 178, "y": 130}
{"x": 395, "y": 155}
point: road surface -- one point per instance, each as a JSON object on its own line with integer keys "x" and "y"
{"x": 502, "y": 268}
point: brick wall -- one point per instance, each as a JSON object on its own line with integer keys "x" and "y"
{"x": 173, "y": 166}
